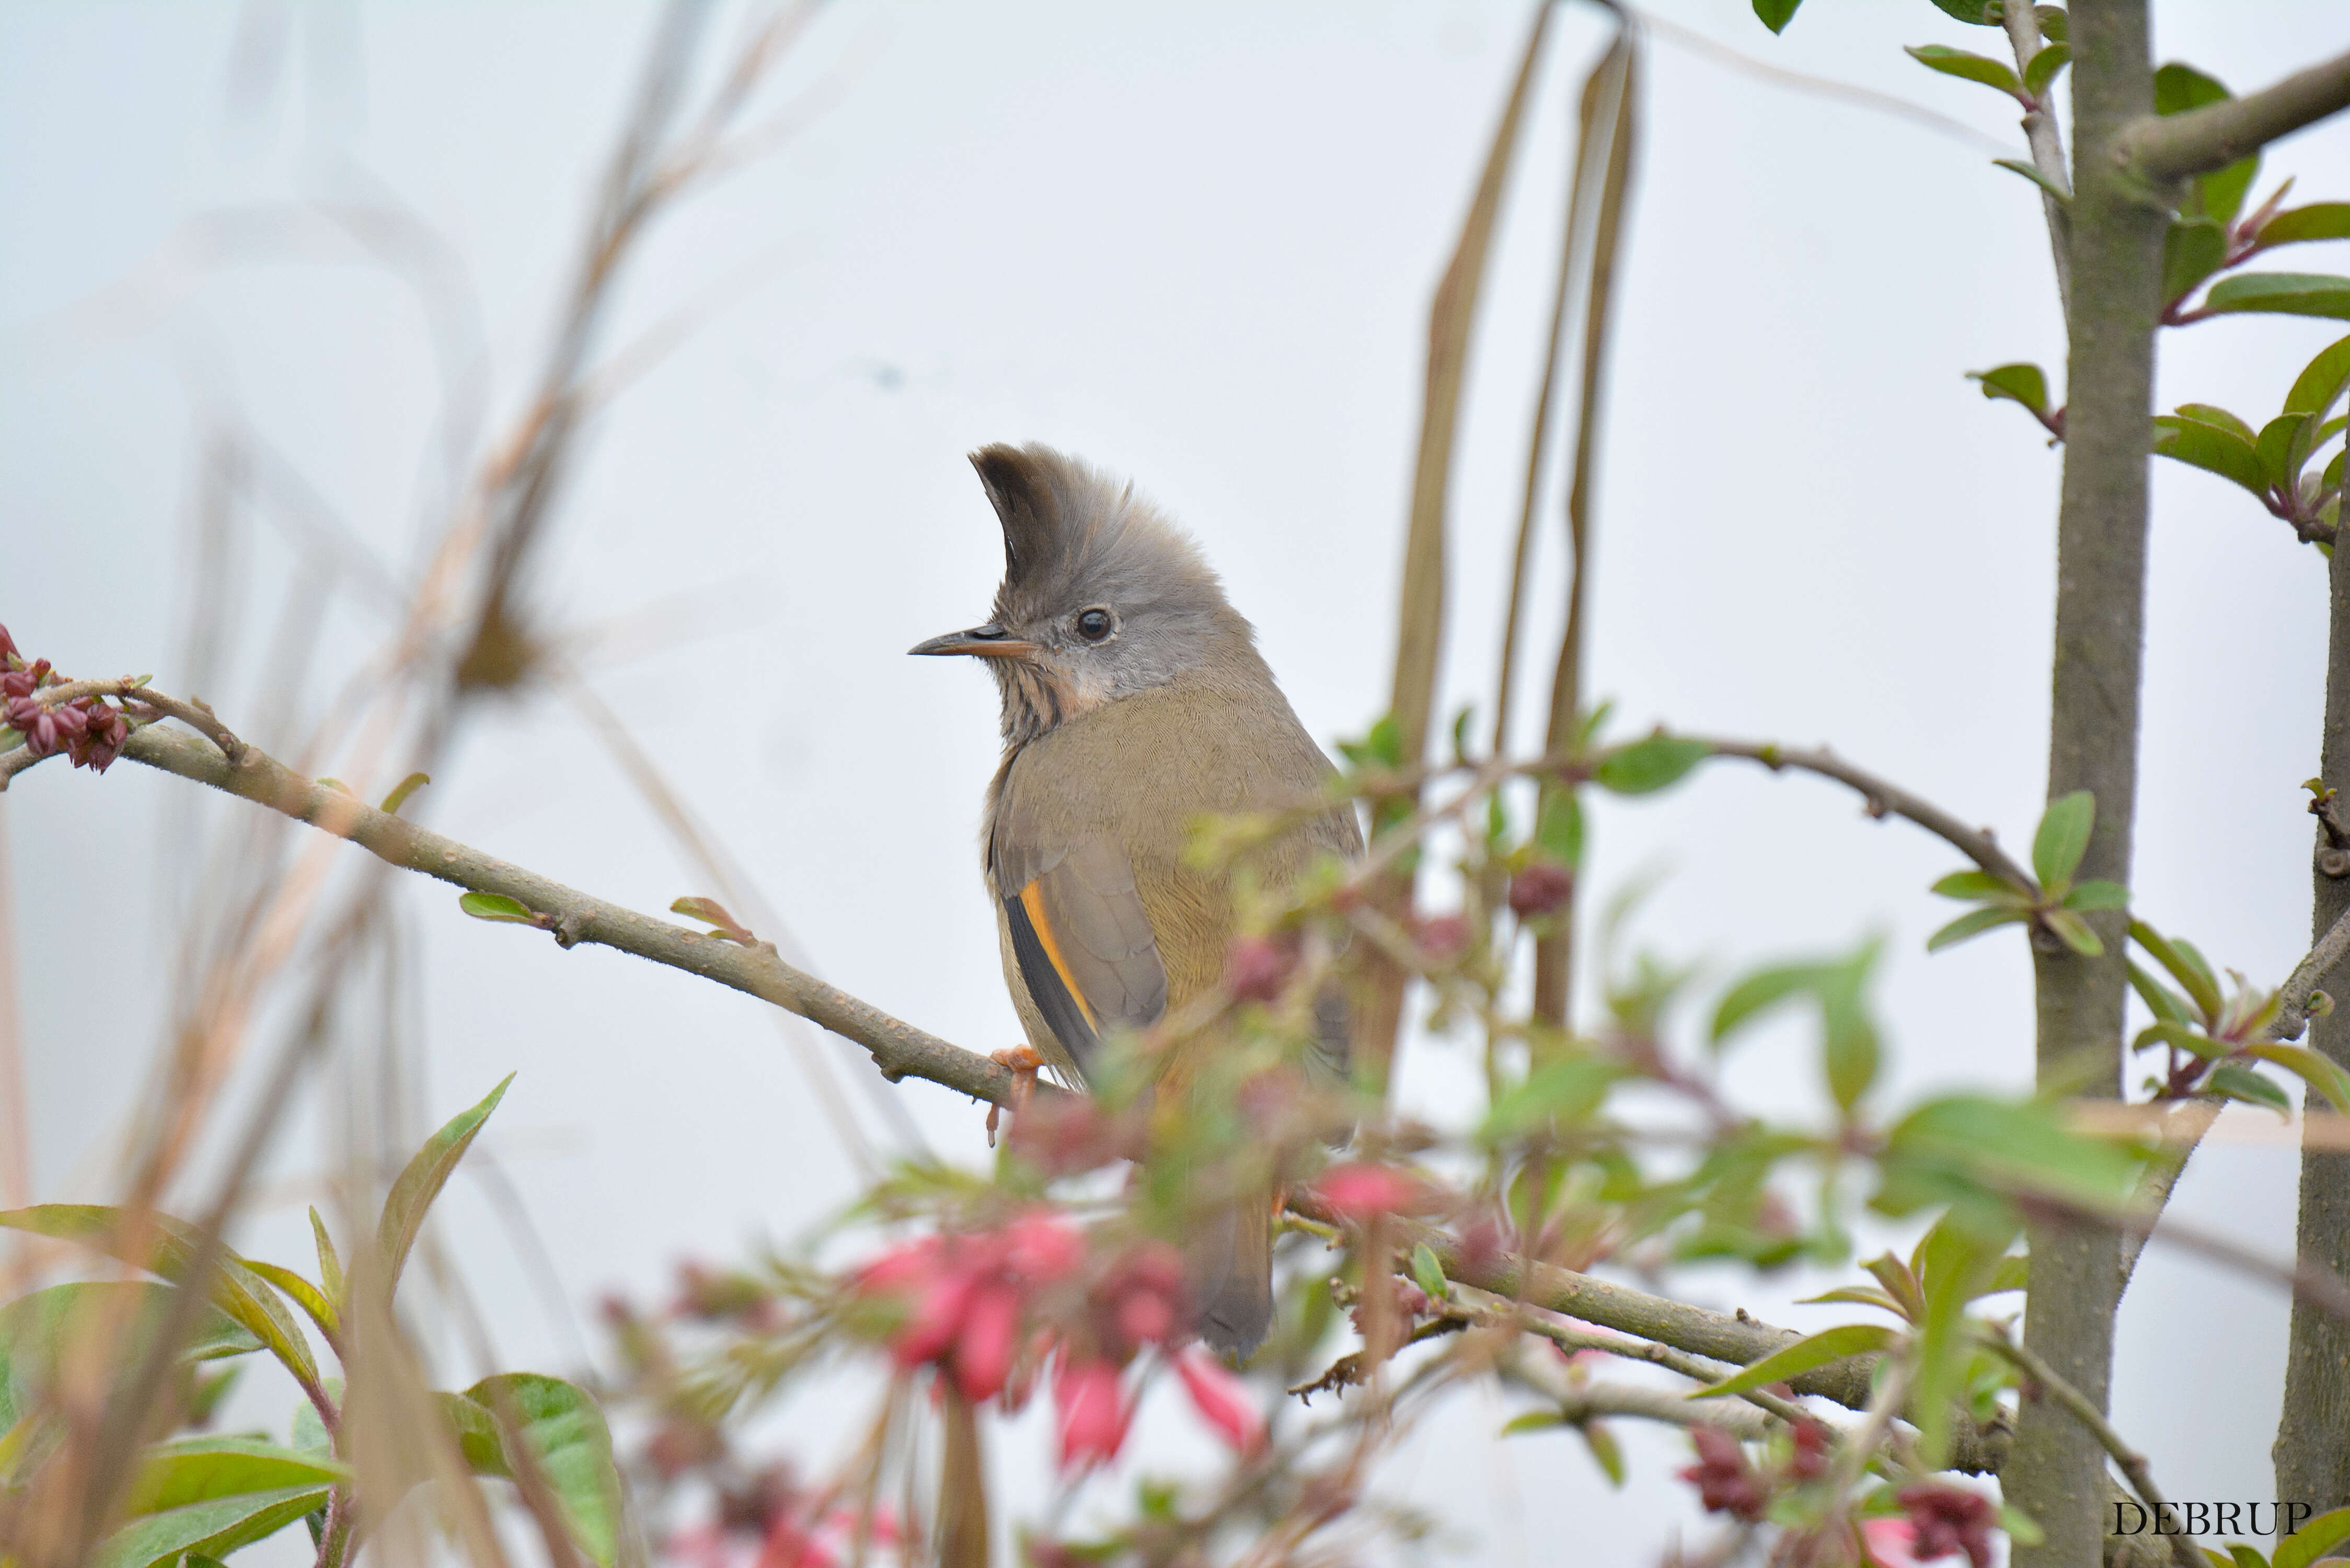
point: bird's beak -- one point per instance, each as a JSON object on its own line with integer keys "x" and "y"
{"x": 989, "y": 641}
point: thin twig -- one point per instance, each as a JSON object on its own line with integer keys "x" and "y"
{"x": 2046, "y": 140}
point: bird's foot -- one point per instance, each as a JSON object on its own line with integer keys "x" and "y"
{"x": 1023, "y": 1062}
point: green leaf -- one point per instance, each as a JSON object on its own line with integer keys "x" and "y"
{"x": 402, "y": 791}
{"x": 1979, "y": 886}
{"x": 1775, "y": 15}
{"x": 213, "y": 1528}
{"x": 2054, "y": 25}
{"x": 2304, "y": 1545}
{"x": 302, "y": 1294}
{"x": 2218, "y": 418}
{"x": 1960, "y": 63}
{"x": 2297, "y": 225}
{"x": 1648, "y": 766}
{"x": 1850, "y": 1050}
{"x": 2044, "y": 67}
{"x": 1961, "y": 1147}
{"x": 496, "y": 907}
{"x": 2096, "y": 893}
{"x": 1853, "y": 1296}
{"x": 1382, "y": 748}
{"x": 2242, "y": 1556}
{"x": 477, "y": 1434}
{"x": 2178, "y": 88}
{"x": 1532, "y": 1421}
{"x": 1806, "y": 1355}
{"x": 1605, "y": 1452}
{"x": 1762, "y": 991}
{"x": 2276, "y": 448}
{"x": 2186, "y": 1036}
{"x": 1560, "y": 829}
{"x": 1973, "y": 13}
{"x": 2017, "y": 383}
{"x": 2062, "y": 839}
{"x": 35, "y": 1329}
{"x": 2244, "y": 1084}
{"x": 2167, "y": 1005}
{"x": 2322, "y": 380}
{"x": 236, "y": 1290}
{"x": 2186, "y": 966}
{"x": 197, "y": 1469}
{"x": 1568, "y": 1090}
{"x": 2211, "y": 449}
{"x": 2192, "y": 250}
{"x": 2280, "y": 294}
{"x": 2221, "y": 194}
{"x": 1973, "y": 923}
{"x": 330, "y": 1263}
{"x": 568, "y": 1445}
{"x": 1428, "y": 1273}
{"x": 2073, "y": 931}
{"x": 2319, "y": 1072}
{"x": 2031, "y": 172}
{"x": 421, "y": 1182}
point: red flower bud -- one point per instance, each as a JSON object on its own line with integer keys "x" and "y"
{"x": 1541, "y": 888}
{"x": 1258, "y": 968}
{"x": 7, "y": 646}
{"x": 1810, "y": 1460}
{"x": 1948, "y": 1519}
{"x": 1222, "y": 1399}
{"x": 1726, "y": 1483}
{"x": 1040, "y": 1248}
{"x": 991, "y": 1333}
{"x": 1090, "y": 1412}
{"x": 1443, "y": 938}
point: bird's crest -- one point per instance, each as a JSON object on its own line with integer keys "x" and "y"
{"x": 1073, "y": 533}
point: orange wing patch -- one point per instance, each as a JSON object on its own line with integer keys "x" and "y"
{"x": 1032, "y": 901}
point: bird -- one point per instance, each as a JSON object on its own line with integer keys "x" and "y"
{"x": 1135, "y": 703}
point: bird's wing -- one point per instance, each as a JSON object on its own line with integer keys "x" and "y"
{"x": 1081, "y": 940}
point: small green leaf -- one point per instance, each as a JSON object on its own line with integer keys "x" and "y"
{"x": 1973, "y": 13}
{"x": 2211, "y": 449}
{"x": 330, "y": 1264}
{"x": 567, "y": 1443}
{"x": 302, "y": 1294}
{"x": 1853, "y": 1295}
{"x": 2297, "y": 225}
{"x": 2054, "y": 25}
{"x": 477, "y": 1436}
{"x": 1568, "y": 1090}
{"x": 2280, "y": 450}
{"x": 1461, "y": 734}
{"x": 37, "y": 1329}
{"x": 2192, "y": 250}
{"x": 2220, "y": 419}
{"x": 2322, "y": 380}
{"x": 2305, "y": 1546}
{"x": 2241, "y": 1556}
{"x": 2244, "y": 1084}
{"x": 1381, "y": 748}
{"x": 1970, "y": 67}
{"x": 1762, "y": 991}
{"x": 197, "y": 1469}
{"x": 1605, "y": 1452}
{"x": 2280, "y": 294}
{"x": 421, "y": 1182}
{"x": 2031, "y": 172}
{"x": 402, "y": 791}
{"x": 1806, "y": 1355}
{"x": 1559, "y": 828}
{"x": 214, "y": 1528}
{"x": 2319, "y": 1072}
{"x": 2097, "y": 894}
{"x": 2044, "y": 68}
{"x": 2185, "y": 1037}
{"x": 1980, "y": 886}
{"x": 2062, "y": 838}
{"x": 2186, "y": 966}
{"x": 2167, "y": 1005}
{"x": 1775, "y": 15}
{"x": 496, "y": 907}
{"x": 2017, "y": 383}
{"x": 1648, "y": 766}
{"x": 1532, "y": 1421}
{"x": 2073, "y": 931}
{"x": 1959, "y": 1147}
{"x": 1428, "y": 1273}
{"x": 1973, "y": 923}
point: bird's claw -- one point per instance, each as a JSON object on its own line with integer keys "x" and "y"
{"x": 1023, "y": 1062}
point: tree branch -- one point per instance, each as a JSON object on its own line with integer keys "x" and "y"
{"x": 2046, "y": 140}
{"x": 899, "y": 1048}
{"x": 2163, "y": 148}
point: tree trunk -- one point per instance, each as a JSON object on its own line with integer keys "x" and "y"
{"x": 2056, "y": 1469}
{"x": 2313, "y": 1441}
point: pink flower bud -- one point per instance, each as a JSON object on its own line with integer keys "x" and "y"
{"x": 1145, "y": 1317}
{"x": 1541, "y": 888}
{"x": 7, "y": 646}
{"x": 938, "y": 1316}
{"x": 1222, "y": 1399}
{"x": 1040, "y": 1248}
{"x": 1443, "y": 938}
{"x": 1891, "y": 1542}
{"x": 1359, "y": 1189}
{"x": 991, "y": 1333}
{"x": 1258, "y": 968}
{"x": 1090, "y": 1412}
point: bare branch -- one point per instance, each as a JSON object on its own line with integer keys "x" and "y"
{"x": 2331, "y": 949}
{"x": 2046, "y": 140}
{"x": 2173, "y": 146}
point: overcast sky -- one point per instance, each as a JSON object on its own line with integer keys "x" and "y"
{"x": 1194, "y": 244}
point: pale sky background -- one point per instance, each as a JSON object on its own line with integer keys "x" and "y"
{"x": 1195, "y": 245}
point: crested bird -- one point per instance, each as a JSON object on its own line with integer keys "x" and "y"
{"x": 1134, "y": 703}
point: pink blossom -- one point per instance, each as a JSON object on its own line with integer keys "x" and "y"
{"x": 1222, "y": 1399}
{"x": 937, "y": 1318}
{"x": 1444, "y": 937}
{"x": 1258, "y": 968}
{"x": 1891, "y": 1542}
{"x": 1360, "y": 1189}
{"x": 991, "y": 1333}
{"x": 1040, "y": 1248}
{"x": 1090, "y": 1411}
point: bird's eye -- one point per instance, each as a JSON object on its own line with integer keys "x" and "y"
{"x": 1093, "y": 625}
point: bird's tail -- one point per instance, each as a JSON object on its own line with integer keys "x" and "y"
{"x": 962, "y": 1484}
{"x": 1229, "y": 1265}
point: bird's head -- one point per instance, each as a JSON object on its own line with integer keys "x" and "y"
{"x": 1102, "y": 596}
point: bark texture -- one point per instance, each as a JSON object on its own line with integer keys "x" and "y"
{"x": 2313, "y": 1441}
{"x": 2057, "y": 1471}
